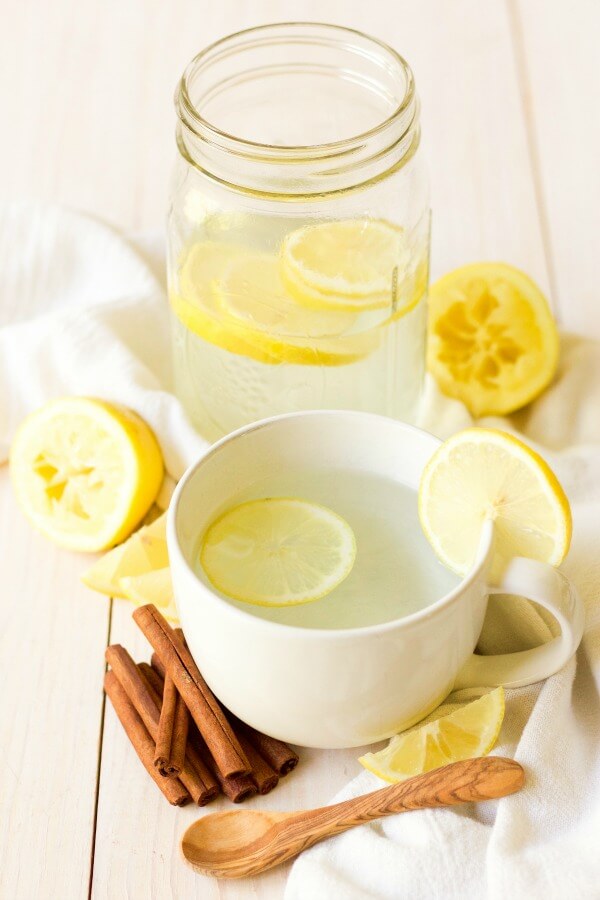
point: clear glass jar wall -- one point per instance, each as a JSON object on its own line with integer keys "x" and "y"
{"x": 298, "y": 229}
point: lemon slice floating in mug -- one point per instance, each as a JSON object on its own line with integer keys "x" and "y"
{"x": 481, "y": 474}
{"x": 469, "y": 731}
{"x": 278, "y": 551}
{"x": 85, "y": 471}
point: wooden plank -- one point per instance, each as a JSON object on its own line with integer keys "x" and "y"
{"x": 114, "y": 156}
{"x": 51, "y": 669}
{"x": 557, "y": 53}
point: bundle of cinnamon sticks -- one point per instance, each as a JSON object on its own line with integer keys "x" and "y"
{"x": 191, "y": 746}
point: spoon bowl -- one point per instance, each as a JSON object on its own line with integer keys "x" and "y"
{"x": 241, "y": 843}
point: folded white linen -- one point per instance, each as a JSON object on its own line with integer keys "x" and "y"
{"x": 86, "y": 316}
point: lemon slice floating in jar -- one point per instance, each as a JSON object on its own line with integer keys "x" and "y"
{"x": 493, "y": 342}
{"x": 194, "y": 302}
{"x": 235, "y": 299}
{"x": 278, "y": 551}
{"x": 256, "y": 306}
{"x": 85, "y": 472}
{"x": 465, "y": 733}
{"x": 481, "y": 474}
{"x": 350, "y": 264}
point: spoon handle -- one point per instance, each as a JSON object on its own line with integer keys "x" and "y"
{"x": 468, "y": 781}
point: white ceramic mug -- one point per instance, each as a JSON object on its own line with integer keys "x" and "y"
{"x": 347, "y": 687}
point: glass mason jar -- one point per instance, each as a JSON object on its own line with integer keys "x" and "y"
{"x": 298, "y": 228}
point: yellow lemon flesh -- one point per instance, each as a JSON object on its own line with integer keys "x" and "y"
{"x": 278, "y": 551}
{"x": 349, "y": 264}
{"x": 85, "y": 472}
{"x": 145, "y": 551}
{"x": 235, "y": 299}
{"x": 195, "y": 303}
{"x": 257, "y": 308}
{"x": 152, "y": 587}
{"x": 138, "y": 570}
{"x": 465, "y": 733}
{"x": 481, "y": 474}
{"x": 493, "y": 342}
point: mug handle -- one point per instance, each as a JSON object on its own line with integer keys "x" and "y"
{"x": 551, "y": 589}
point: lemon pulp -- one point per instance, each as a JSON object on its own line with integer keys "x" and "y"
{"x": 483, "y": 473}
{"x": 85, "y": 471}
{"x": 277, "y": 551}
{"x": 493, "y": 342}
{"x": 465, "y": 733}
{"x": 348, "y": 264}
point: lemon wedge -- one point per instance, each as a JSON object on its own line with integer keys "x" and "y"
{"x": 467, "y": 732}
{"x": 152, "y": 587}
{"x": 138, "y": 570}
{"x": 278, "y": 551}
{"x": 145, "y": 551}
{"x": 482, "y": 473}
{"x": 493, "y": 342}
{"x": 349, "y": 264}
{"x": 85, "y": 472}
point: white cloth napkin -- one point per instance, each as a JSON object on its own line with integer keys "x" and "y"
{"x": 84, "y": 312}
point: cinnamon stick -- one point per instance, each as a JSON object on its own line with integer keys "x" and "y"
{"x": 199, "y": 699}
{"x": 155, "y": 680}
{"x": 263, "y": 775}
{"x": 172, "y": 732}
{"x": 236, "y": 788}
{"x": 279, "y": 756}
{"x": 157, "y": 664}
{"x": 141, "y": 740}
{"x": 147, "y": 705}
{"x": 193, "y": 759}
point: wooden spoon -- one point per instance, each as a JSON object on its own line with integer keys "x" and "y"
{"x": 236, "y": 844}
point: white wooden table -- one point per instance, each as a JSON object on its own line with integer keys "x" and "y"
{"x": 510, "y": 96}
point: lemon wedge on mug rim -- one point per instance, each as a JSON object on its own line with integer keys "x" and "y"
{"x": 483, "y": 473}
{"x": 278, "y": 551}
{"x": 85, "y": 471}
{"x": 464, "y": 733}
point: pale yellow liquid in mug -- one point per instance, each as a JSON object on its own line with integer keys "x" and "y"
{"x": 231, "y": 371}
{"x": 395, "y": 573}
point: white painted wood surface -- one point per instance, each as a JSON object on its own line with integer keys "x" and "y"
{"x": 510, "y": 95}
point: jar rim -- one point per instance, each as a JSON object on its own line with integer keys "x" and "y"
{"x": 190, "y": 116}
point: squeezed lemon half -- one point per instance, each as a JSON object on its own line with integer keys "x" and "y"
{"x": 482, "y": 473}
{"x": 85, "y": 471}
{"x": 278, "y": 551}
{"x": 467, "y": 732}
{"x": 493, "y": 342}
